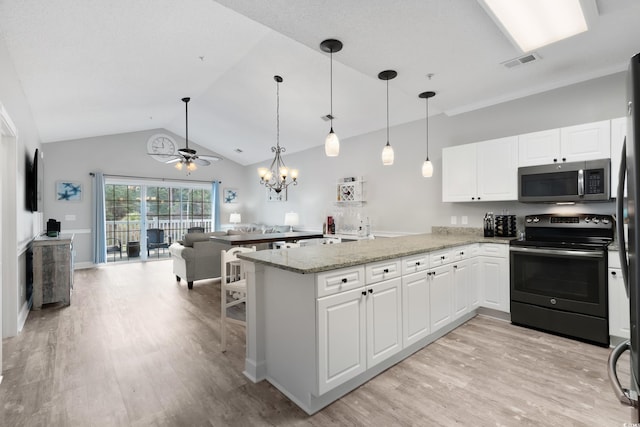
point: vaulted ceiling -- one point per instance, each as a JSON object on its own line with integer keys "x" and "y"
{"x": 91, "y": 68}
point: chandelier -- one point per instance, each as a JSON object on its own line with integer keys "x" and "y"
{"x": 276, "y": 177}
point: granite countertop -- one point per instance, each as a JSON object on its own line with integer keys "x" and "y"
{"x": 314, "y": 259}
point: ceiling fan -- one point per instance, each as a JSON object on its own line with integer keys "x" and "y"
{"x": 187, "y": 157}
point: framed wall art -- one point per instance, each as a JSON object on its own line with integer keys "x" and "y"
{"x": 68, "y": 191}
{"x": 230, "y": 195}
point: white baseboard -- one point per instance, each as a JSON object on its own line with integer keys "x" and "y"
{"x": 83, "y": 265}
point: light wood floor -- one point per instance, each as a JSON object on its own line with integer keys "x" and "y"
{"x": 137, "y": 349}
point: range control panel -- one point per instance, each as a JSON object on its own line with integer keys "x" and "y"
{"x": 569, "y": 221}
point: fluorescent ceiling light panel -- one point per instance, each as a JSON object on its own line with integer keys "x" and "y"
{"x": 531, "y": 24}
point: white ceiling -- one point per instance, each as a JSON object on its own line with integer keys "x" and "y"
{"x": 91, "y": 67}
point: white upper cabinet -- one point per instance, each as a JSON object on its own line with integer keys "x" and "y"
{"x": 459, "y": 173}
{"x": 498, "y": 169}
{"x": 482, "y": 171}
{"x": 588, "y": 141}
{"x": 618, "y": 133}
{"x": 539, "y": 148}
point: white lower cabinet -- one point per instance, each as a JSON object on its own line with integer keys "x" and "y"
{"x": 494, "y": 276}
{"x": 356, "y": 330}
{"x": 415, "y": 307}
{"x": 402, "y": 302}
{"x": 461, "y": 285}
{"x": 342, "y": 338}
{"x": 384, "y": 320}
{"x": 619, "y": 322}
{"x": 441, "y": 296}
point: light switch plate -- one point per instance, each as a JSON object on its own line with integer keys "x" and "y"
{"x": 454, "y": 220}
{"x": 464, "y": 220}
{"x": 69, "y": 217}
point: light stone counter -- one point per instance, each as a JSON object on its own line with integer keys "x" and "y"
{"x": 315, "y": 259}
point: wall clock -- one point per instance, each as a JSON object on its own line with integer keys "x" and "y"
{"x": 161, "y": 147}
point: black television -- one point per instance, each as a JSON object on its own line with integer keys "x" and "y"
{"x": 33, "y": 196}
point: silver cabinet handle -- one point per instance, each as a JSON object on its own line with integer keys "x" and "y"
{"x": 625, "y": 396}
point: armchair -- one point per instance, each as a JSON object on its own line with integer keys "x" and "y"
{"x": 155, "y": 240}
{"x": 114, "y": 246}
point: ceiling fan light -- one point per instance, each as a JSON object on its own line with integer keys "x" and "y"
{"x": 178, "y": 166}
{"x": 332, "y": 145}
{"x": 387, "y": 155}
{"x": 191, "y": 166}
{"x": 427, "y": 169}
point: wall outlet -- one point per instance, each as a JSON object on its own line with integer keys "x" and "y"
{"x": 69, "y": 217}
{"x": 464, "y": 220}
{"x": 454, "y": 220}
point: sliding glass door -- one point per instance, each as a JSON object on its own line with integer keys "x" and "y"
{"x": 132, "y": 208}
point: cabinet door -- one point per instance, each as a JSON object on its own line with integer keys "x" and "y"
{"x": 619, "y": 324}
{"x": 539, "y": 148}
{"x": 384, "y": 320}
{"x": 498, "y": 169}
{"x": 495, "y": 283}
{"x": 459, "y": 173}
{"x": 461, "y": 278}
{"x": 341, "y": 338}
{"x": 589, "y": 141}
{"x": 415, "y": 307}
{"x": 473, "y": 287}
{"x": 441, "y": 297}
{"x": 618, "y": 133}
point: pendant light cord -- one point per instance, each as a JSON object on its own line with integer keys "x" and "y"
{"x": 331, "y": 88}
{"x": 387, "y": 111}
{"x": 427, "y": 117}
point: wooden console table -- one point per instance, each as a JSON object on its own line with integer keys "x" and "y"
{"x": 52, "y": 270}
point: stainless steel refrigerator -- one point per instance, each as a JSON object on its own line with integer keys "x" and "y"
{"x": 630, "y": 163}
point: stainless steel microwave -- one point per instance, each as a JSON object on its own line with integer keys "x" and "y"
{"x": 565, "y": 182}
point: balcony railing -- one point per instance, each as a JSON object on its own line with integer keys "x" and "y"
{"x": 129, "y": 231}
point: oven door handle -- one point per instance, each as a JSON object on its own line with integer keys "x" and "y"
{"x": 565, "y": 252}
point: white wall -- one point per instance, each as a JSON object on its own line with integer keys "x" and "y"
{"x": 400, "y": 200}
{"x": 19, "y": 225}
{"x": 122, "y": 154}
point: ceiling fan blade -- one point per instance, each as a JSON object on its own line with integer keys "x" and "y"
{"x": 210, "y": 158}
{"x": 187, "y": 152}
{"x": 174, "y": 160}
{"x": 199, "y": 161}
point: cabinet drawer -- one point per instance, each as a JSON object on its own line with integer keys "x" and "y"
{"x": 461, "y": 252}
{"x": 383, "y": 270}
{"x": 474, "y": 250}
{"x": 335, "y": 281}
{"x": 494, "y": 249}
{"x": 439, "y": 258}
{"x": 415, "y": 263}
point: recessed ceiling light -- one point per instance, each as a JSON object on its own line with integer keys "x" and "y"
{"x": 532, "y": 24}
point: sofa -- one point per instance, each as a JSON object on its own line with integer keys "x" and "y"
{"x": 197, "y": 257}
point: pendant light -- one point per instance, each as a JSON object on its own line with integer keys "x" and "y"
{"x": 427, "y": 166}
{"x": 276, "y": 176}
{"x": 331, "y": 142}
{"x": 387, "y": 151}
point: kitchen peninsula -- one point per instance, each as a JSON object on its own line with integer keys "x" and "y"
{"x": 322, "y": 320}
